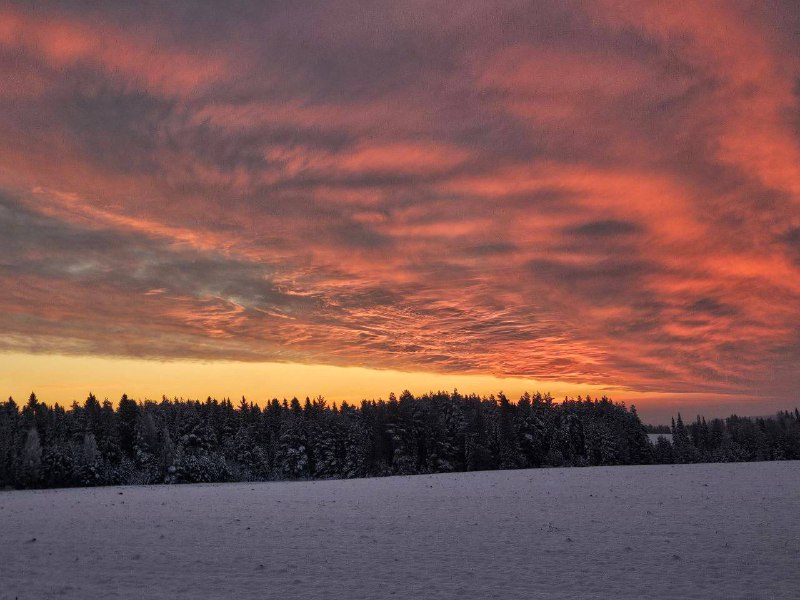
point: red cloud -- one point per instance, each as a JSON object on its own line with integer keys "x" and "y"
{"x": 606, "y": 194}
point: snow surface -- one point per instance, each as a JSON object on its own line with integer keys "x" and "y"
{"x": 693, "y": 531}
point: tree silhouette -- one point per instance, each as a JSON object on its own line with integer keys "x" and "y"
{"x": 185, "y": 441}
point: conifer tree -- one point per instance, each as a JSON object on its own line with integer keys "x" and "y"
{"x": 29, "y": 472}
{"x": 89, "y": 467}
{"x": 127, "y": 416}
{"x": 189, "y": 441}
{"x": 9, "y": 428}
{"x": 291, "y": 461}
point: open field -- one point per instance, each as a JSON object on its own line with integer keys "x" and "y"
{"x": 691, "y": 531}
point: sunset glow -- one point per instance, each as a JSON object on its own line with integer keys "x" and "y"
{"x": 314, "y": 199}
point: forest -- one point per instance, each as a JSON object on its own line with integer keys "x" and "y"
{"x": 185, "y": 441}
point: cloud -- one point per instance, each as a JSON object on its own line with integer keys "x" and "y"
{"x": 605, "y": 229}
{"x": 594, "y": 192}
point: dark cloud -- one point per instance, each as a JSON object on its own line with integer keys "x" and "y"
{"x": 605, "y": 229}
{"x": 491, "y": 249}
{"x": 712, "y": 307}
{"x": 605, "y": 278}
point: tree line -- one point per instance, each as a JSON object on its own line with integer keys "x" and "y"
{"x": 185, "y": 441}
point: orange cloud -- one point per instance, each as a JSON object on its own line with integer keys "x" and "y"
{"x": 603, "y": 193}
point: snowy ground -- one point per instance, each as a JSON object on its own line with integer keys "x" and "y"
{"x": 697, "y": 531}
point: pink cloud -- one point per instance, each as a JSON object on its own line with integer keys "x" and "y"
{"x": 601, "y": 194}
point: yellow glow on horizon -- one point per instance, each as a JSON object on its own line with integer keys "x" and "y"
{"x": 62, "y": 379}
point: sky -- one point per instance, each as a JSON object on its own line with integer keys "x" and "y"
{"x": 348, "y": 199}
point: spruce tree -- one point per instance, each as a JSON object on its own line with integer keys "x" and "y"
{"x": 29, "y": 472}
{"x": 127, "y": 416}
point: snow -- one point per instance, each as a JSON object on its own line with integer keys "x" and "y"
{"x": 688, "y": 531}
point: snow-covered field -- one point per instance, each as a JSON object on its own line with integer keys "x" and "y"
{"x": 696, "y": 531}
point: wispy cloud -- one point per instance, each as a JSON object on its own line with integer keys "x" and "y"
{"x": 599, "y": 192}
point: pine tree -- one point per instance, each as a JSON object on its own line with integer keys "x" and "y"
{"x": 291, "y": 461}
{"x": 246, "y": 458}
{"x": 9, "y": 426}
{"x": 446, "y": 436}
{"x": 684, "y": 452}
{"x": 530, "y": 432}
{"x": 662, "y": 452}
{"x": 329, "y": 447}
{"x": 89, "y": 463}
{"x": 29, "y": 472}
{"x": 509, "y": 452}
{"x": 165, "y": 461}
{"x": 197, "y": 457}
{"x": 640, "y": 451}
{"x": 403, "y": 431}
{"x": 189, "y": 441}
{"x": 127, "y": 416}
{"x": 58, "y": 465}
{"x": 356, "y": 445}
{"x": 145, "y": 449}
